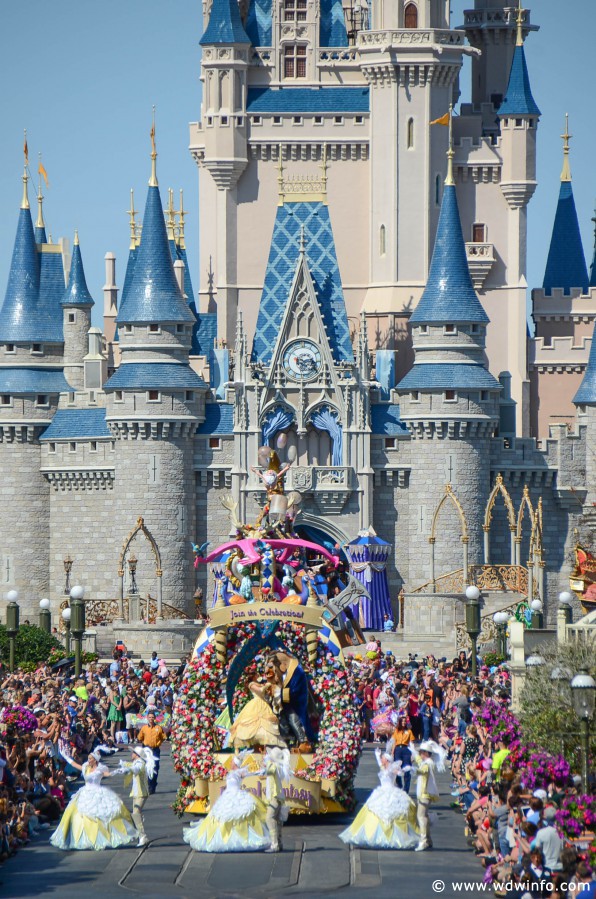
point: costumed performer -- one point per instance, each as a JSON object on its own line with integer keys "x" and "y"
{"x": 236, "y": 823}
{"x": 256, "y": 724}
{"x": 95, "y": 817}
{"x": 388, "y": 818}
{"x": 136, "y": 775}
{"x": 428, "y": 759}
{"x": 276, "y": 766}
{"x": 291, "y": 699}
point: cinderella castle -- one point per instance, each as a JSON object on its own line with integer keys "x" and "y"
{"x": 361, "y": 307}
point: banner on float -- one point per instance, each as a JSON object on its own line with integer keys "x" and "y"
{"x": 300, "y": 795}
{"x": 265, "y": 611}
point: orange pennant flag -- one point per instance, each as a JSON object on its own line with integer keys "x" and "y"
{"x": 443, "y": 120}
{"x": 41, "y": 171}
{"x": 26, "y": 152}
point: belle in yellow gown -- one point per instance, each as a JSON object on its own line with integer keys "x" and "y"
{"x": 256, "y": 724}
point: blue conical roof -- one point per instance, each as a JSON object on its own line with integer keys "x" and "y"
{"x": 586, "y": 395}
{"x": 333, "y": 24}
{"x": 593, "y": 266}
{"x": 77, "y": 292}
{"x": 225, "y": 25}
{"x": 153, "y": 295}
{"x": 19, "y": 310}
{"x": 518, "y": 98}
{"x": 40, "y": 234}
{"x": 449, "y": 295}
{"x": 259, "y": 23}
{"x": 566, "y": 263}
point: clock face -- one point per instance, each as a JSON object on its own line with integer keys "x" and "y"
{"x": 302, "y": 360}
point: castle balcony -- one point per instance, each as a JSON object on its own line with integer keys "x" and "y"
{"x": 481, "y": 258}
{"x": 413, "y": 38}
{"x": 329, "y": 485}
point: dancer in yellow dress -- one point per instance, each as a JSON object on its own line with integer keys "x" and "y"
{"x": 95, "y": 817}
{"x": 256, "y": 724}
{"x": 236, "y": 823}
{"x": 388, "y": 818}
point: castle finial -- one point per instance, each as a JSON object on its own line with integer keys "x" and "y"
{"x": 520, "y": 20}
{"x": 449, "y": 180}
{"x": 76, "y": 239}
{"x": 25, "y": 200}
{"x": 41, "y": 172}
{"x": 566, "y": 172}
{"x": 171, "y": 221}
{"x": 133, "y": 225}
{"x": 153, "y": 179}
{"x": 181, "y": 216}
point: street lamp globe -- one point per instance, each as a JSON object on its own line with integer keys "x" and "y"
{"x": 565, "y": 598}
{"x": 536, "y": 605}
{"x": 472, "y": 592}
{"x": 44, "y": 604}
{"x": 583, "y": 693}
{"x": 66, "y": 615}
{"x": 77, "y": 592}
{"x": 500, "y": 618}
{"x": 12, "y": 595}
{"x": 534, "y": 661}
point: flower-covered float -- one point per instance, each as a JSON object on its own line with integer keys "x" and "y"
{"x": 268, "y": 668}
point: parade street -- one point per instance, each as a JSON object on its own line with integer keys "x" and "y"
{"x": 314, "y": 863}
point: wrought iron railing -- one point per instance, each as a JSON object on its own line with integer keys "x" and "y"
{"x": 493, "y": 578}
{"x": 104, "y": 611}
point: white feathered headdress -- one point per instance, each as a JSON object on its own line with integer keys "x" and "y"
{"x": 147, "y": 756}
{"x": 281, "y": 759}
{"x": 437, "y": 752}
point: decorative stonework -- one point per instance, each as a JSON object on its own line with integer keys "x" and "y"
{"x": 80, "y": 479}
{"x": 481, "y": 258}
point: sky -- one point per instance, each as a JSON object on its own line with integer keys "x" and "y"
{"x": 82, "y": 77}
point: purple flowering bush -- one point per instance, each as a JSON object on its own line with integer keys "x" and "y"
{"x": 19, "y": 718}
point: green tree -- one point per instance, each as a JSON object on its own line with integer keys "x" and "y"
{"x": 32, "y": 644}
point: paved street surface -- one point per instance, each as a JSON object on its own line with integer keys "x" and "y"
{"x": 314, "y": 864}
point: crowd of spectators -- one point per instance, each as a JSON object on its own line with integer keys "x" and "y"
{"x": 512, "y": 829}
{"x": 48, "y": 716}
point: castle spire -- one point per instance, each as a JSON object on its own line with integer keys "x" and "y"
{"x": 225, "y": 24}
{"x": 450, "y": 180}
{"x": 171, "y": 221}
{"x": 518, "y": 100}
{"x": 19, "y": 319}
{"x": 133, "y": 225}
{"x": 586, "y": 395}
{"x": 566, "y": 263}
{"x": 520, "y": 21}
{"x": 593, "y": 266}
{"x": 182, "y": 213}
{"x": 77, "y": 292}
{"x": 25, "y": 200}
{"x": 153, "y": 179}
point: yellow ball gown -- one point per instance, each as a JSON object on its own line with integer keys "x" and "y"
{"x": 255, "y": 725}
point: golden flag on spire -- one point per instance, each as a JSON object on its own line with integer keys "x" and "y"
{"x": 41, "y": 171}
{"x": 443, "y": 120}
{"x": 26, "y": 151}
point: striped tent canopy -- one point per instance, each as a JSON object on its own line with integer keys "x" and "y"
{"x": 368, "y": 555}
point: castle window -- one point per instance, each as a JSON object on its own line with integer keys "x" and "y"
{"x": 449, "y": 329}
{"x": 128, "y": 329}
{"x": 581, "y": 410}
{"x": 411, "y": 16}
{"x": 51, "y": 447}
{"x": 478, "y": 232}
{"x": 338, "y": 120}
{"x": 297, "y": 120}
{"x": 294, "y": 10}
{"x": 318, "y": 120}
{"x": 484, "y": 396}
{"x": 519, "y": 123}
{"x": 72, "y": 317}
{"x": 179, "y": 329}
{"x": 240, "y": 121}
{"x": 118, "y": 396}
{"x": 37, "y": 348}
{"x": 6, "y": 399}
{"x": 42, "y": 400}
{"x": 415, "y": 396}
{"x": 295, "y": 61}
{"x": 359, "y": 120}
{"x": 475, "y": 329}
{"x": 71, "y": 398}
{"x": 410, "y": 134}
{"x": 93, "y": 446}
{"x": 72, "y": 447}
{"x": 257, "y": 120}
{"x": 277, "y": 120}
{"x": 189, "y": 396}
{"x": 450, "y": 396}
{"x": 153, "y": 396}
{"x": 10, "y": 348}
{"x": 154, "y": 328}
{"x": 224, "y": 120}
{"x": 424, "y": 329}
{"x": 530, "y": 123}
{"x": 209, "y": 120}
{"x": 506, "y": 123}
{"x": 382, "y": 240}
{"x": 214, "y": 443}
{"x": 438, "y": 190}
{"x": 389, "y": 442}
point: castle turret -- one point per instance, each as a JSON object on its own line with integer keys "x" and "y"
{"x": 77, "y": 305}
{"x": 450, "y": 403}
{"x": 31, "y": 379}
{"x": 566, "y": 263}
{"x": 593, "y": 265}
{"x": 154, "y": 403}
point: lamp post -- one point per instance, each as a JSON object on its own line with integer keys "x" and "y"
{"x": 77, "y": 623}
{"x": 473, "y": 622}
{"x": 583, "y": 694}
{"x": 565, "y": 606}
{"x": 66, "y": 620}
{"x": 45, "y": 616}
{"x": 12, "y": 625}
{"x": 501, "y": 619}
{"x": 537, "y": 620}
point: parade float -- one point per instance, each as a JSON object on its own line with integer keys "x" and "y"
{"x": 268, "y": 667}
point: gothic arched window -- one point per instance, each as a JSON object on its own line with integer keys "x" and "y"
{"x": 411, "y": 16}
